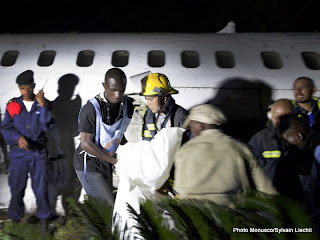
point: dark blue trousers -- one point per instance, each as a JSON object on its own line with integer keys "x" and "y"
{"x": 21, "y": 164}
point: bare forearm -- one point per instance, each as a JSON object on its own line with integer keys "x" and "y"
{"x": 91, "y": 148}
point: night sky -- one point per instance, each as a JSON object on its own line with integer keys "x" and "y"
{"x": 161, "y": 16}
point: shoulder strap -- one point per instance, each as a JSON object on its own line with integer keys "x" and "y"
{"x": 98, "y": 119}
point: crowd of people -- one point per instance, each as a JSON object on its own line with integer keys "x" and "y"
{"x": 283, "y": 158}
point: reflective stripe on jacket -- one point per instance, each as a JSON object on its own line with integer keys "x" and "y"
{"x": 174, "y": 112}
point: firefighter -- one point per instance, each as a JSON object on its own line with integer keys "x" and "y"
{"x": 162, "y": 112}
{"x": 26, "y": 121}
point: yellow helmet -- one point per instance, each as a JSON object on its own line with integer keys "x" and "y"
{"x": 156, "y": 84}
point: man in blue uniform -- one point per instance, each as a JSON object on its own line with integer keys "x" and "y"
{"x": 26, "y": 121}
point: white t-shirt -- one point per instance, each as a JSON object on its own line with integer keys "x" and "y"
{"x": 28, "y": 104}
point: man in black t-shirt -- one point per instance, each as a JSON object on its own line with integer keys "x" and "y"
{"x": 102, "y": 122}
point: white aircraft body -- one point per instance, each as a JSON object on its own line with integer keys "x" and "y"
{"x": 197, "y": 64}
{"x": 241, "y": 72}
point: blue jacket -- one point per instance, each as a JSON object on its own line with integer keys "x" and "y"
{"x": 19, "y": 122}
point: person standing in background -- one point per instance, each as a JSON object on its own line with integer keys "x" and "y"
{"x": 305, "y": 104}
{"x": 24, "y": 127}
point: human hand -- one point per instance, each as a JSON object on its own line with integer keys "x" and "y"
{"x": 23, "y": 143}
{"x": 111, "y": 160}
{"x": 40, "y": 98}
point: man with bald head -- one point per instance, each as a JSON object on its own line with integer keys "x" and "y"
{"x": 102, "y": 122}
{"x": 281, "y": 167}
{"x": 305, "y": 105}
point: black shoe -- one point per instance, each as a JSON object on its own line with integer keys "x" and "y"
{"x": 53, "y": 218}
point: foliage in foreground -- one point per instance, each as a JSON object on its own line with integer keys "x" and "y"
{"x": 200, "y": 219}
{"x": 181, "y": 219}
{"x": 23, "y": 231}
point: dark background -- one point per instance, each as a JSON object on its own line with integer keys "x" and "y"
{"x": 161, "y": 16}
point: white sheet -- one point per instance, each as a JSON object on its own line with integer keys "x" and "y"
{"x": 143, "y": 167}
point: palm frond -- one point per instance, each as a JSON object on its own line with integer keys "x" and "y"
{"x": 280, "y": 211}
{"x": 150, "y": 223}
{"x": 95, "y": 215}
{"x": 254, "y": 212}
{"x": 72, "y": 230}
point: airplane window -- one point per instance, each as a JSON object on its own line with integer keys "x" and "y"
{"x": 225, "y": 59}
{"x": 272, "y": 60}
{"x": 46, "y": 58}
{"x": 120, "y": 58}
{"x": 190, "y": 59}
{"x": 85, "y": 58}
{"x": 9, "y": 58}
{"x": 311, "y": 60}
{"x": 156, "y": 58}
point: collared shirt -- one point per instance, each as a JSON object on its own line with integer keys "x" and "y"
{"x": 161, "y": 119}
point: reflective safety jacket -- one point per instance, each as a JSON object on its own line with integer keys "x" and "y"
{"x": 175, "y": 113}
{"x": 314, "y": 118}
{"x": 267, "y": 149}
{"x": 281, "y": 167}
{"x": 32, "y": 125}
